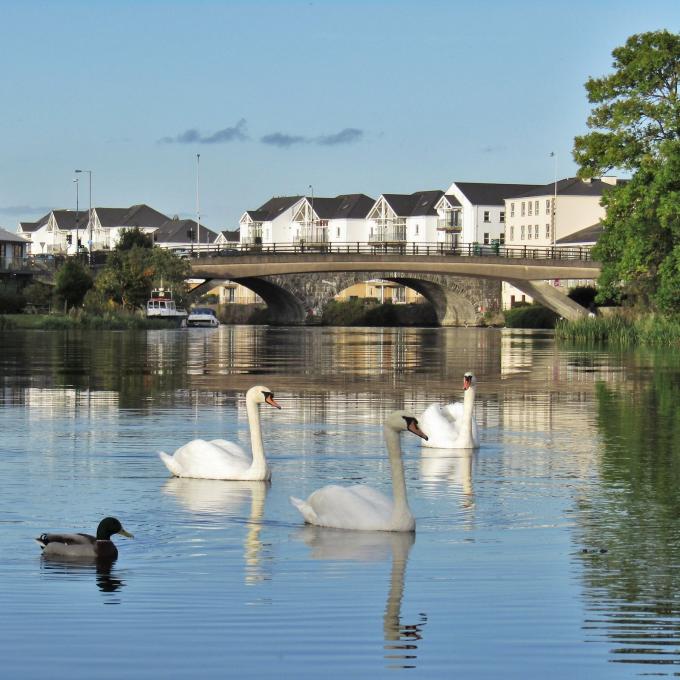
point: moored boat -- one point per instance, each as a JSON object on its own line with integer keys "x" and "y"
{"x": 161, "y": 305}
{"x": 203, "y": 316}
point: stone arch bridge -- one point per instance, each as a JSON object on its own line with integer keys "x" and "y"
{"x": 459, "y": 287}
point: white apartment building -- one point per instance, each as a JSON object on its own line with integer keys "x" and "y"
{"x": 271, "y": 222}
{"x": 475, "y": 212}
{"x": 532, "y": 222}
{"x": 404, "y": 218}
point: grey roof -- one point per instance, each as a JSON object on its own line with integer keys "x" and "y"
{"x": 8, "y": 236}
{"x": 176, "y": 231}
{"x": 231, "y": 236}
{"x": 140, "y": 215}
{"x": 70, "y": 219}
{"x": 353, "y": 206}
{"x": 453, "y": 201}
{"x": 34, "y": 226}
{"x": 258, "y": 215}
{"x": 590, "y": 234}
{"x": 484, "y": 193}
{"x": 570, "y": 186}
{"x": 416, "y": 204}
{"x": 274, "y": 207}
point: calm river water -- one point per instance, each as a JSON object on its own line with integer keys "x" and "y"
{"x": 553, "y": 551}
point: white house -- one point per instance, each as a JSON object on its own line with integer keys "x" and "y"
{"x": 228, "y": 238}
{"x": 340, "y": 219}
{"x": 184, "y": 234}
{"x": 404, "y": 218}
{"x": 271, "y": 222}
{"x": 13, "y": 249}
{"x": 475, "y": 212}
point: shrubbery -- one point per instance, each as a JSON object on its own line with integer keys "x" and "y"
{"x": 358, "y": 313}
{"x": 530, "y": 316}
{"x": 11, "y": 301}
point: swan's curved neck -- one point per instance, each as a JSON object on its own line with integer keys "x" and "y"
{"x": 401, "y": 508}
{"x": 468, "y": 409}
{"x": 259, "y": 464}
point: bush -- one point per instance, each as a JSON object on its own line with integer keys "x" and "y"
{"x": 530, "y": 316}
{"x": 358, "y": 313}
{"x": 6, "y": 324}
{"x": 38, "y": 294}
{"x": 11, "y": 301}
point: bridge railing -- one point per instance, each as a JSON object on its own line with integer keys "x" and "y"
{"x": 399, "y": 248}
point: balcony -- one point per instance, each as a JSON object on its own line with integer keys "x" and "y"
{"x": 449, "y": 225}
{"x": 388, "y": 233}
{"x": 313, "y": 235}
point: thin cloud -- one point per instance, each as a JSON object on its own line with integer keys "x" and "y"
{"x": 284, "y": 140}
{"x": 493, "y": 148}
{"x": 346, "y": 136}
{"x": 237, "y": 133}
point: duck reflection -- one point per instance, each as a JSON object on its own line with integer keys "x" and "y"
{"x": 373, "y": 546}
{"x": 452, "y": 465}
{"x": 107, "y": 580}
{"x": 227, "y": 498}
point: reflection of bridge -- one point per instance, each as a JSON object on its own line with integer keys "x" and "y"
{"x": 431, "y": 270}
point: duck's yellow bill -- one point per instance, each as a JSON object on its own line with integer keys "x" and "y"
{"x": 127, "y": 534}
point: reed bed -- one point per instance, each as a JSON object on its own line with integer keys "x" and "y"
{"x": 622, "y": 331}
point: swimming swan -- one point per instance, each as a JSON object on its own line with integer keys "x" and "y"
{"x": 220, "y": 459}
{"x": 452, "y": 426}
{"x": 84, "y": 546}
{"x": 361, "y": 507}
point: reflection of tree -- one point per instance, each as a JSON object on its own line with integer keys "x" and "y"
{"x": 634, "y": 588}
{"x": 369, "y": 546}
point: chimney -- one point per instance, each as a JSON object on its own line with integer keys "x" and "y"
{"x": 609, "y": 180}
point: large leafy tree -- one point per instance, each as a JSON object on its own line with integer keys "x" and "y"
{"x": 635, "y": 126}
{"x": 130, "y": 275}
{"x": 72, "y": 281}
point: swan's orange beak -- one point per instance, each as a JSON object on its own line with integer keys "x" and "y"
{"x": 269, "y": 398}
{"x": 413, "y": 427}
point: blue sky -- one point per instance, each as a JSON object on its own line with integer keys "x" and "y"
{"x": 347, "y": 96}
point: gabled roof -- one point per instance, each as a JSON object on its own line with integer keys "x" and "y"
{"x": 34, "y": 226}
{"x": 590, "y": 234}
{"x": 353, "y": 206}
{"x": 70, "y": 219}
{"x": 231, "y": 236}
{"x": 257, "y": 215}
{"x": 140, "y": 215}
{"x": 177, "y": 231}
{"x": 451, "y": 200}
{"x": 8, "y": 236}
{"x": 274, "y": 207}
{"x": 416, "y": 204}
{"x": 570, "y": 186}
{"x": 485, "y": 193}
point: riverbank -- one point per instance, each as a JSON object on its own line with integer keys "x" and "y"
{"x": 108, "y": 321}
{"x": 621, "y": 331}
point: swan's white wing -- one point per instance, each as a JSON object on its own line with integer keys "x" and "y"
{"x": 232, "y": 448}
{"x": 206, "y": 460}
{"x": 347, "y": 507}
{"x": 439, "y": 424}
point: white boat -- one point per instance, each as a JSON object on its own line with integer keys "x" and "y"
{"x": 203, "y": 316}
{"x": 162, "y": 306}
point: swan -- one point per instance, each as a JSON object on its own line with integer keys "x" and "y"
{"x": 84, "y": 546}
{"x": 220, "y": 459}
{"x": 361, "y": 507}
{"x": 452, "y": 426}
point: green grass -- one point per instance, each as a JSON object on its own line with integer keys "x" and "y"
{"x": 654, "y": 331}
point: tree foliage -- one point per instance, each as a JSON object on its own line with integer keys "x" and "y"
{"x": 131, "y": 274}
{"x": 636, "y": 127}
{"x": 72, "y": 281}
{"x": 134, "y": 238}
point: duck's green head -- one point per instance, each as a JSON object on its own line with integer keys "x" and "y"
{"x": 109, "y": 526}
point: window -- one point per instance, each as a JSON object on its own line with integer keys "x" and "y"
{"x": 530, "y": 206}
{"x": 547, "y": 206}
{"x": 337, "y": 233}
{"x": 523, "y": 208}
{"x": 502, "y": 215}
{"x": 486, "y": 216}
{"x": 536, "y": 207}
{"x": 512, "y": 232}
{"x": 486, "y": 238}
{"x": 522, "y": 233}
{"x": 512, "y": 210}
{"x": 529, "y": 232}
{"x": 536, "y": 231}
{"x": 416, "y": 230}
{"x": 547, "y": 231}
{"x": 501, "y": 238}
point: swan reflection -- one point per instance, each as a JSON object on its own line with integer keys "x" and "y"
{"x": 227, "y": 498}
{"x": 453, "y": 466}
{"x": 375, "y": 546}
{"x": 107, "y": 580}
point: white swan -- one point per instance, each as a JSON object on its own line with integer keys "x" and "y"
{"x": 220, "y": 459}
{"x": 452, "y": 426}
{"x": 361, "y": 507}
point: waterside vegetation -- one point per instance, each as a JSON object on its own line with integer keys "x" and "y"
{"x": 621, "y": 331}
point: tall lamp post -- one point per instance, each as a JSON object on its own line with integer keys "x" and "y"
{"x": 77, "y": 213}
{"x": 89, "y": 212}
{"x": 198, "y": 200}
{"x": 313, "y": 236}
{"x": 553, "y": 221}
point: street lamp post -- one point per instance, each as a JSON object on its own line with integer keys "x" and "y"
{"x": 198, "y": 200}
{"x": 89, "y": 212}
{"x": 311, "y": 188}
{"x": 77, "y": 213}
{"x": 553, "y": 221}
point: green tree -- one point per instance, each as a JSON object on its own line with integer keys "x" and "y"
{"x": 72, "y": 281}
{"x": 635, "y": 126}
{"x": 134, "y": 238}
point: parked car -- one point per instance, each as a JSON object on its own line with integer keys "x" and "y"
{"x": 203, "y": 316}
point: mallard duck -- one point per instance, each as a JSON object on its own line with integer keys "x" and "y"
{"x": 84, "y": 546}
